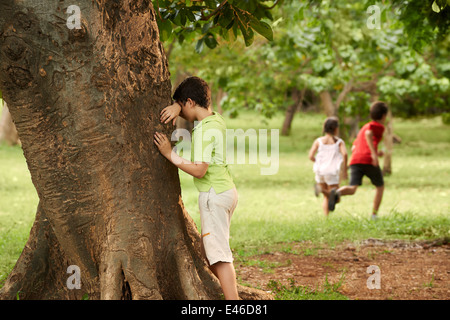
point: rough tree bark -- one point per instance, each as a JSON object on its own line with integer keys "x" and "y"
{"x": 86, "y": 103}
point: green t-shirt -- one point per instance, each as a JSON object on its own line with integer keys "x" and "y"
{"x": 209, "y": 145}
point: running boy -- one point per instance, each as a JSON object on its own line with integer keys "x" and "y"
{"x": 331, "y": 154}
{"x": 364, "y": 159}
{"x": 217, "y": 193}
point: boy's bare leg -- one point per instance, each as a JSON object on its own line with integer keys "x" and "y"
{"x": 377, "y": 201}
{"x": 347, "y": 190}
{"x": 335, "y": 195}
{"x": 224, "y": 271}
{"x": 227, "y": 278}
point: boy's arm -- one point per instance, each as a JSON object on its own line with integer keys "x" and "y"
{"x": 170, "y": 112}
{"x": 313, "y": 151}
{"x": 369, "y": 140}
{"x": 197, "y": 170}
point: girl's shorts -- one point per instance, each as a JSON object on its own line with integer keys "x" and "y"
{"x": 215, "y": 215}
{"x": 328, "y": 179}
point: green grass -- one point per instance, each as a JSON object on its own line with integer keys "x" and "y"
{"x": 18, "y": 203}
{"x": 327, "y": 291}
{"x": 281, "y": 208}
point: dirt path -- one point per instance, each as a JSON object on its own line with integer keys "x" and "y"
{"x": 408, "y": 270}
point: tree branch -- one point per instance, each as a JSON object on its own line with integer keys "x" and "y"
{"x": 347, "y": 88}
{"x": 212, "y": 14}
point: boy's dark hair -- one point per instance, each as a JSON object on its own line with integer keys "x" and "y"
{"x": 194, "y": 88}
{"x": 330, "y": 125}
{"x": 378, "y": 109}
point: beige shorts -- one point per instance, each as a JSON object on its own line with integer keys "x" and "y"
{"x": 215, "y": 215}
{"x": 329, "y": 179}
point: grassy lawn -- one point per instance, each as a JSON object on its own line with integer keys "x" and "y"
{"x": 18, "y": 203}
{"x": 281, "y": 208}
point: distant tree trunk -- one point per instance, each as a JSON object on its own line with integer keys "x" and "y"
{"x": 327, "y": 103}
{"x": 86, "y": 104}
{"x": 330, "y": 108}
{"x": 297, "y": 96}
{"x": 389, "y": 145}
{"x": 8, "y": 132}
{"x": 219, "y": 96}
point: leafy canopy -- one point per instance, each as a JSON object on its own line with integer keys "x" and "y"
{"x": 204, "y": 21}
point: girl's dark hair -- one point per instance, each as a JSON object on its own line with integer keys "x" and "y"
{"x": 330, "y": 125}
{"x": 194, "y": 88}
{"x": 377, "y": 110}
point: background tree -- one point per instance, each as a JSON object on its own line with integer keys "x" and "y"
{"x": 330, "y": 51}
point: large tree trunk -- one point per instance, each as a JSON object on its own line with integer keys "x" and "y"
{"x": 8, "y": 132}
{"x": 86, "y": 104}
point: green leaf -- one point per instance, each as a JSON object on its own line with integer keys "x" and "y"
{"x": 262, "y": 28}
{"x": 435, "y": 7}
{"x": 211, "y": 3}
{"x": 268, "y": 14}
{"x": 226, "y": 18}
{"x": 199, "y": 46}
{"x": 207, "y": 26}
{"x": 190, "y": 16}
{"x": 183, "y": 17}
{"x": 235, "y": 29}
{"x": 247, "y": 32}
{"x": 181, "y": 38}
{"x": 165, "y": 29}
{"x": 210, "y": 41}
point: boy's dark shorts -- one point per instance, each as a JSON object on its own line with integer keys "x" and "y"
{"x": 358, "y": 171}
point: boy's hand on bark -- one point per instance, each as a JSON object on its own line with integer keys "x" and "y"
{"x": 170, "y": 113}
{"x": 163, "y": 144}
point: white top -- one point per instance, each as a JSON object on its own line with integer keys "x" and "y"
{"x": 329, "y": 158}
